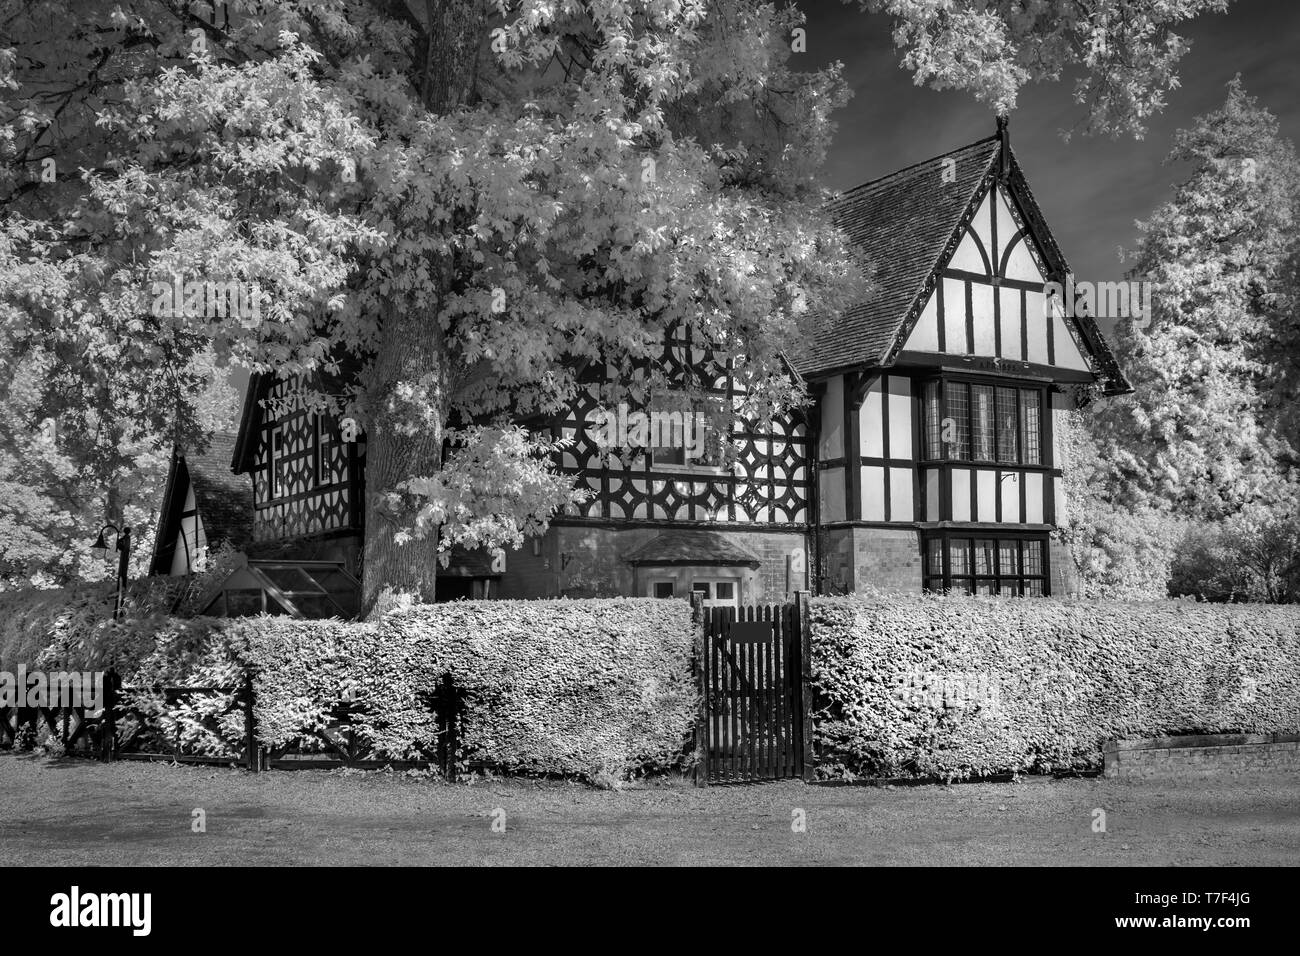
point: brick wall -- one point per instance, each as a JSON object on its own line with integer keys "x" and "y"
{"x": 587, "y": 561}
{"x": 888, "y": 559}
{"x": 855, "y": 559}
{"x": 1209, "y": 756}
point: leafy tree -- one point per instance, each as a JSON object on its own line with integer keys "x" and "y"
{"x": 1118, "y": 551}
{"x": 488, "y": 204}
{"x": 1123, "y": 53}
{"x": 1211, "y": 427}
{"x": 1252, "y": 556}
{"x": 57, "y": 485}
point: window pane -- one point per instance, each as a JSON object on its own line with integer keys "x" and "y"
{"x": 932, "y": 415}
{"x": 1033, "y": 588}
{"x": 957, "y": 422}
{"x": 934, "y": 556}
{"x": 663, "y": 589}
{"x": 984, "y": 556}
{"x": 959, "y": 555}
{"x": 702, "y": 587}
{"x": 982, "y": 419}
{"x": 290, "y": 579}
{"x": 668, "y": 456}
{"x": 315, "y": 608}
{"x": 1030, "y": 426}
{"x": 984, "y": 587}
{"x": 725, "y": 590}
{"x": 961, "y": 585}
{"x": 1033, "y": 557}
{"x": 1007, "y": 559}
{"x": 1008, "y": 432}
{"x": 243, "y": 602}
{"x": 277, "y": 462}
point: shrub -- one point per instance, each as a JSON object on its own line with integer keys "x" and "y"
{"x": 583, "y": 687}
{"x": 600, "y": 689}
{"x": 186, "y": 653}
{"x": 1119, "y": 549}
{"x": 303, "y": 671}
{"x": 73, "y": 626}
{"x": 959, "y": 686}
{"x": 1251, "y": 556}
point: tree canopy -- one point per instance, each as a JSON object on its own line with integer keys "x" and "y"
{"x": 482, "y": 203}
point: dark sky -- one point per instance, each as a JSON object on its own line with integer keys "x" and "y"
{"x": 1091, "y": 189}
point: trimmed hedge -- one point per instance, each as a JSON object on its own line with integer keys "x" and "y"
{"x": 304, "y": 670}
{"x": 596, "y": 688}
{"x": 957, "y": 686}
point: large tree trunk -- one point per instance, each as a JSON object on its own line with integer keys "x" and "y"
{"x": 403, "y": 439}
{"x": 407, "y": 390}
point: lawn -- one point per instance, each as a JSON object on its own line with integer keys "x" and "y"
{"x": 81, "y": 812}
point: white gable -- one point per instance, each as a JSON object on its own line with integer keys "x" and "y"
{"x": 967, "y": 316}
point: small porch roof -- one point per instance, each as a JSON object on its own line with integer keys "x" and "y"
{"x": 694, "y": 547}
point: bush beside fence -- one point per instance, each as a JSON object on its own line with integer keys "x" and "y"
{"x": 952, "y": 687}
{"x": 73, "y": 626}
{"x": 920, "y": 686}
{"x": 599, "y": 688}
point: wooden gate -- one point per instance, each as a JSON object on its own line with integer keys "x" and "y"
{"x": 754, "y": 722}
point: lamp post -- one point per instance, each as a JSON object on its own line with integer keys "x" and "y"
{"x": 123, "y": 548}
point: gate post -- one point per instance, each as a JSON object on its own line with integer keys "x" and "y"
{"x": 108, "y": 720}
{"x": 251, "y": 755}
{"x": 802, "y": 601}
{"x": 701, "y": 648}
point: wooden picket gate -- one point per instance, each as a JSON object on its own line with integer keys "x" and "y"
{"x": 751, "y": 667}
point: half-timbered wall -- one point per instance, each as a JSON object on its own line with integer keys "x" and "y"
{"x": 885, "y": 447}
{"x": 873, "y": 417}
{"x": 191, "y": 540}
{"x": 306, "y": 479}
{"x": 987, "y": 450}
{"x": 934, "y": 446}
{"x": 990, "y": 299}
{"x": 767, "y": 483}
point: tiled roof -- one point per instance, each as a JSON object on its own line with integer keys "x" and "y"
{"x": 901, "y": 224}
{"x": 693, "y": 547}
{"x": 224, "y": 499}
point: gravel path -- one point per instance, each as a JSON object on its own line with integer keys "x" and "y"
{"x": 81, "y": 812}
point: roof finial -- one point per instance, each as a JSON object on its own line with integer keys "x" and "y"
{"x": 1004, "y": 148}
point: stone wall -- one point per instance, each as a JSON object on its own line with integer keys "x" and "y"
{"x": 1208, "y": 756}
